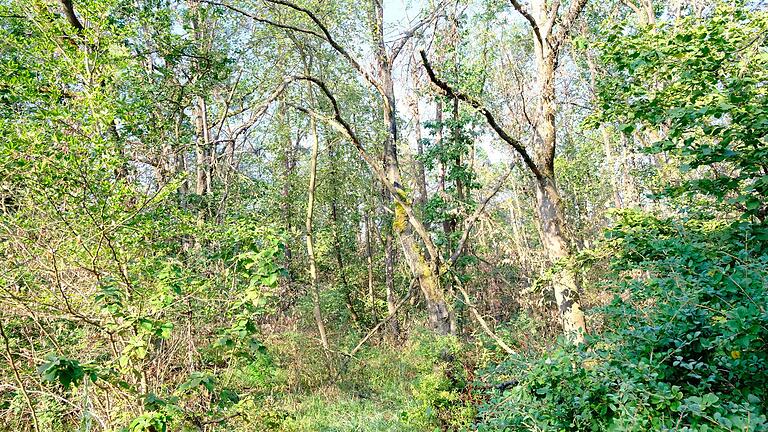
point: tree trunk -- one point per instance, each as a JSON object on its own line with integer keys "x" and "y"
{"x": 389, "y": 263}
{"x": 565, "y": 281}
{"x": 202, "y": 141}
{"x": 457, "y": 137}
{"x": 203, "y": 182}
{"x": 423, "y": 267}
{"x": 548, "y": 204}
{"x": 419, "y": 172}
{"x": 310, "y": 239}
{"x": 286, "y": 210}
{"x": 369, "y": 262}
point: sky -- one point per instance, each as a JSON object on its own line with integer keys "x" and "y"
{"x": 396, "y": 11}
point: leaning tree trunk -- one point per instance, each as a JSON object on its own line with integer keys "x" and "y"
{"x": 565, "y": 281}
{"x": 423, "y": 267}
{"x": 426, "y": 272}
{"x": 549, "y": 209}
{"x": 288, "y": 155}
{"x": 548, "y": 39}
{"x": 316, "y": 309}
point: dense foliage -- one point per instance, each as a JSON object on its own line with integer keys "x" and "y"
{"x": 258, "y": 215}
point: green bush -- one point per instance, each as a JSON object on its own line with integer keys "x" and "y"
{"x": 441, "y": 386}
{"x": 687, "y": 347}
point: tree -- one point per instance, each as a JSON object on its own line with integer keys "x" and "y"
{"x": 695, "y": 91}
{"x": 550, "y": 29}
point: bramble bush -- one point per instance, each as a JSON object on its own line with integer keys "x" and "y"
{"x": 687, "y": 347}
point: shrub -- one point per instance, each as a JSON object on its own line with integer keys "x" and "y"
{"x": 440, "y": 387}
{"x": 687, "y": 345}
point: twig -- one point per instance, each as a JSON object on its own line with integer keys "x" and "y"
{"x": 18, "y": 377}
{"x": 469, "y": 224}
{"x": 480, "y": 318}
{"x": 385, "y": 320}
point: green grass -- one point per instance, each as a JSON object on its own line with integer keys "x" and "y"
{"x": 347, "y": 412}
{"x": 374, "y": 393}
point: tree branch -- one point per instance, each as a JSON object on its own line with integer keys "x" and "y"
{"x": 480, "y": 318}
{"x": 16, "y": 374}
{"x": 470, "y": 222}
{"x": 263, "y": 20}
{"x": 567, "y": 23}
{"x": 552, "y": 18}
{"x": 408, "y": 34}
{"x": 531, "y": 20}
{"x": 69, "y": 12}
{"x": 326, "y": 34}
{"x": 449, "y": 91}
{"x": 385, "y": 320}
{"x": 259, "y": 110}
{"x": 340, "y": 124}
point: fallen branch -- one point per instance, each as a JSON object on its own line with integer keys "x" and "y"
{"x": 385, "y": 320}
{"x": 480, "y": 318}
{"x": 470, "y": 223}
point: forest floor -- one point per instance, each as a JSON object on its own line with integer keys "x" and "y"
{"x": 385, "y": 387}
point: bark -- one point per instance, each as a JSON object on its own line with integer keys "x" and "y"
{"x": 406, "y": 224}
{"x": 69, "y": 12}
{"x": 423, "y": 267}
{"x": 180, "y": 167}
{"x": 479, "y": 317}
{"x": 565, "y": 281}
{"x": 450, "y": 222}
{"x": 285, "y": 195}
{"x": 548, "y": 40}
{"x": 231, "y": 164}
{"x": 286, "y": 210}
{"x": 202, "y": 153}
{"x": 369, "y": 262}
{"x": 457, "y": 137}
{"x": 389, "y": 264}
{"x": 610, "y": 161}
{"x": 419, "y": 171}
{"x": 315, "y": 289}
{"x": 439, "y": 139}
{"x": 202, "y": 139}
{"x": 178, "y": 159}
{"x": 390, "y": 250}
{"x": 644, "y": 10}
{"x": 421, "y": 264}
{"x": 632, "y": 195}
{"x": 549, "y": 209}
